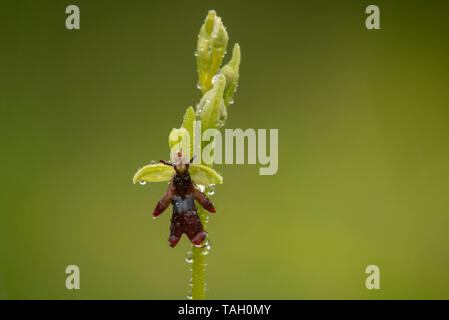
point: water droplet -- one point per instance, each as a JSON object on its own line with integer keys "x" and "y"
{"x": 205, "y": 252}
{"x": 154, "y": 218}
{"x": 231, "y": 101}
{"x": 153, "y": 162}
{"x": 189, "y": 297}
{"x": 189, "y": 257}
{"x": 206, "y": 248}
{"x": 221, "y": 122}
{"x": 142, "y": 182}
{"x": 198, "y": 86}
{"x": 201, "y": 187}
{"x": 211, "y": 190}
{"x": 214, "y": 78}
{"x": 207, "y": 245}
{"x": 196, "y": 53}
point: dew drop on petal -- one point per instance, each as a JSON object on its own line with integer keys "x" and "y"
{"x": 211, "y": 190}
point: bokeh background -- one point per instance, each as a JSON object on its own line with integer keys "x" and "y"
{"x": 363, "y": 149}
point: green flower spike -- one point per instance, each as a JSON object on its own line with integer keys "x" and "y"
{"x": 218, "y": 85}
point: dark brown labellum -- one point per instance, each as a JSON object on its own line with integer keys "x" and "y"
{"x": 182, "y": 194}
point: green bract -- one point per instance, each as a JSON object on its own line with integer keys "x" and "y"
{"x": 187, "y": 123}
{"x": 211, "y": 108}
{"x": 231, "y": 72}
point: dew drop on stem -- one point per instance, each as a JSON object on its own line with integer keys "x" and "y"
{"x": 189, "y": 257}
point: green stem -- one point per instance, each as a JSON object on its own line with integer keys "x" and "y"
{"x": 199, "y": 263}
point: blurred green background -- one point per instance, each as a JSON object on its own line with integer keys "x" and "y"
{"x": 363, "y": 149}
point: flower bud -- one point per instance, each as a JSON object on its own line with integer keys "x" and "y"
{"x": 211, "y": 47}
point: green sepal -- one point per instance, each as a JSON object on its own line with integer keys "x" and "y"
{"x": 204, "y": 175}
{"x": 158, "y": 172}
